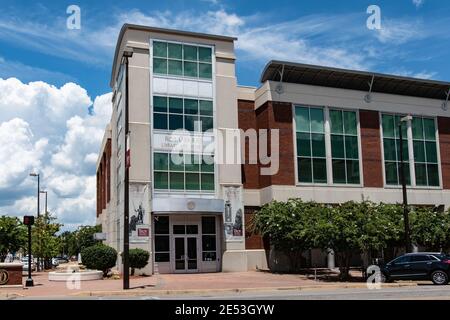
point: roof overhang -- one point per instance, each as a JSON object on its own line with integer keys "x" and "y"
{"x": 354, "y": 80}
{"x": 128, "y": 26}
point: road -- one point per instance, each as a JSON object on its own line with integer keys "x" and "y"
{"x": 421, "y": 292}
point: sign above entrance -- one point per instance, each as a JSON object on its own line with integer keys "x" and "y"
{"x": 185, "y": 205}
{"x": 177, "y": 141}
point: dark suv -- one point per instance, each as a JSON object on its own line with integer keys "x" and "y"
{"x": 419, "y": 266}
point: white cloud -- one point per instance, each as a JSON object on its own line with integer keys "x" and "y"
{"x": 400, "y": 31}
{"x": 56, "y": 132}
{"x": 418, "y": 3}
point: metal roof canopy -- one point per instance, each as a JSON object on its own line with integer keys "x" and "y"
{"x": 354, "y": 80}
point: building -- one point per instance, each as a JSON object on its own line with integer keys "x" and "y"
{"x": 318, "y": 133}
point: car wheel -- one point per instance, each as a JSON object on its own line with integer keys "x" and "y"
{"x": 439, "y": 277}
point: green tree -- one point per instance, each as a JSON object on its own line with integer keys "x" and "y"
{"x": 45, "y": 242}
{"x": 138, "y": 259}
{"x": 99, "y": 257}
{"x": 13, "y": 236}
{"x": 430, "y": 229}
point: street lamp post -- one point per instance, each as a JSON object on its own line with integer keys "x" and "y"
{"x": 38, "y": 208}
{"x": 127, "y": 53}
{"x": 45, "y": 212}
{"x": 403, "y": 180}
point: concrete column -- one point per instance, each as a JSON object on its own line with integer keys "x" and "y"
{"x": 330, "y": 259}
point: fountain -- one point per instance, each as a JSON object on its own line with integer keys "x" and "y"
{"x": 75, "y": 272}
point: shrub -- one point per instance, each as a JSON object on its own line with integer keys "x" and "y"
{"x": 138, "y": 259}
{"x": 99, "y": 257}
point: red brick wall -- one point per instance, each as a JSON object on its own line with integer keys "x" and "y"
{"x": 104, "y": 179}
{"x": 108, "y": 171}
{"x": 271, "y": 115}
{"x": 444, "y": 144}
{"x": 252, "y": 239}
{"x": 371, "y": 148}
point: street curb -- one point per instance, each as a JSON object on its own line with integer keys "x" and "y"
{"x": 234, "y": 290}
{"x": 11, "y": 295}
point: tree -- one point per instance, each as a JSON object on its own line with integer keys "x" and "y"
{"x": 430, "y": 229}
{"x": 45, "y": 242}
{"x": 138, "y": 259}
{"x": 13, "y": 236}
{"x": 99, "y": 257}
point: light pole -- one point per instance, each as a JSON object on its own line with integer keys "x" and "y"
{"x": 45, "y": 213}
{"x": 42, "y": 191}
{"x": 127, "y": 53}
{"x": 403, "y": 180}
{"x": 38, "y": 207}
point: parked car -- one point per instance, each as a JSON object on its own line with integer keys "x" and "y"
{"x": 61, "y": 259}
{"x": 55, "y": 262}
{"x": 419, "y": 266}
{"x": 24, "y": 261}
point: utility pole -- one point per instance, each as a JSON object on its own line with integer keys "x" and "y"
{"x": 38, "y": 209}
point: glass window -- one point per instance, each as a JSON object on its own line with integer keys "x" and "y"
{"x": 182, "y": 60}
{"x": 344, "y": 147}
{"x": 160, "y": 121}
{"x": 175, "y": 105}
{"x": 425, "y": 152}
{"x": 190, "y": 172}
{"x": 160, "y": 104}
{"x": 208, "y": 225}
{"x": 311, "y": 152}
{"x": 391, "y": 146}
{"x": 161, "y": 224}
{"x": 179, "y": 229}
{"x": 206, "y": 108}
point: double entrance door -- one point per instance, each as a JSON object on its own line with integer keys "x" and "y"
{"x": 186, "y": 248}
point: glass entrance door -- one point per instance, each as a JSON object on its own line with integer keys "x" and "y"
{"x": 185, "y": 253}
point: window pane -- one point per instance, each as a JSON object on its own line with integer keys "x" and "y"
{"x": 302, "y": 119}
{"x": 421, "y": 174}
{"x": 159, "y": 66}
{"x": 339, "y": 171}
{"x": 205, "y": 70}
{"x": 162, "y": 257}
{"x": 160, "y": 49}
{"x": 318, "y": 145}
{"x": 350, "y": 122}
{"x": 160, "y": 104}
{"x": 175, "y": 51}
{"x": 209, "y": 256}
{"x": 429, "y": 128}
{"x": 175, "y": 105}
{"x": 353, "y": 172}
{"x": 176, "y": 181}
{"x": 337, "y": 146}
{"x": 192, "y": 181}
{"x": 192, "y": 229}
{"x": 209, "y": 243}
{"x": 160, "y": 121}
{"x": 320, "y": 170}
{"x": 388, "y": 125}
{"x": 405, "y": 150}
{"x": 192, "y": 162}
{"x": 161, "y": 180}
{"x": 161, "y": 225}
{"x": 337, "y": 124}
{"x": 190, "y": 69}
{"x": 433, "y": 175}
{"x": 316, "y": 120}
{"x": 175, "y": 122}
{"x": 175, "y": 67}
{"x": 207, "y": 123}
{"x": 404, "y": 128}
{"x": 204, "y": 54}
{"x": 351, "y": 147}
{"x": 179, "y": 229}
{"x": 419, "y": 151}
{"x": 389, "y": 149}
{"x": 207, "y": 167}
{"x": 190, "y": 122}
{"x": 208, "y": 225}
{"x": 206, "y": 108}
{"x": 303, "y": 144}
{"x": 176, "y": 162}
{"x": 304, "y": 170}
{"x": 207, "y": 181}
{"x": 391, "y": 173}
{"x": 190, "y": 53}
{"x": 417, "y": 128}
{"x": 431, "y": 152}
{"x": 161, "y": 161}
{"x": 407, "y": 173}
{"x": 190, "y": 106}
{"x": 162, "y": 243}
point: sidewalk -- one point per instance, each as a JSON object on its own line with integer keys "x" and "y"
{"x": 178, "y": 284}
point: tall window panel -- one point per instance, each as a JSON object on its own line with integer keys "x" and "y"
{"x": 182, "y": 60}
{"x": 344, "y": 147}
{"x": 172, "y": 113}
{"x": 311, "y": 154}
{"x": 391, "y": 145}
{"x": 425, "y": 152}
{"x": 192, "y": 172}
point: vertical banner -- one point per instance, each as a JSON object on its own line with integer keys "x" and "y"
{"x": 233, "y": 213}
{"x": 139, "y": 213}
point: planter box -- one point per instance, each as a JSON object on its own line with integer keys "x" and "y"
{"x": 10, "y": 274}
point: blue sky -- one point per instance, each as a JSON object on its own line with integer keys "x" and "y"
{"x": 50, "y": 77}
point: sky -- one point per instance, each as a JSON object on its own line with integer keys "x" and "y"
{"x": 55, "y": 98}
